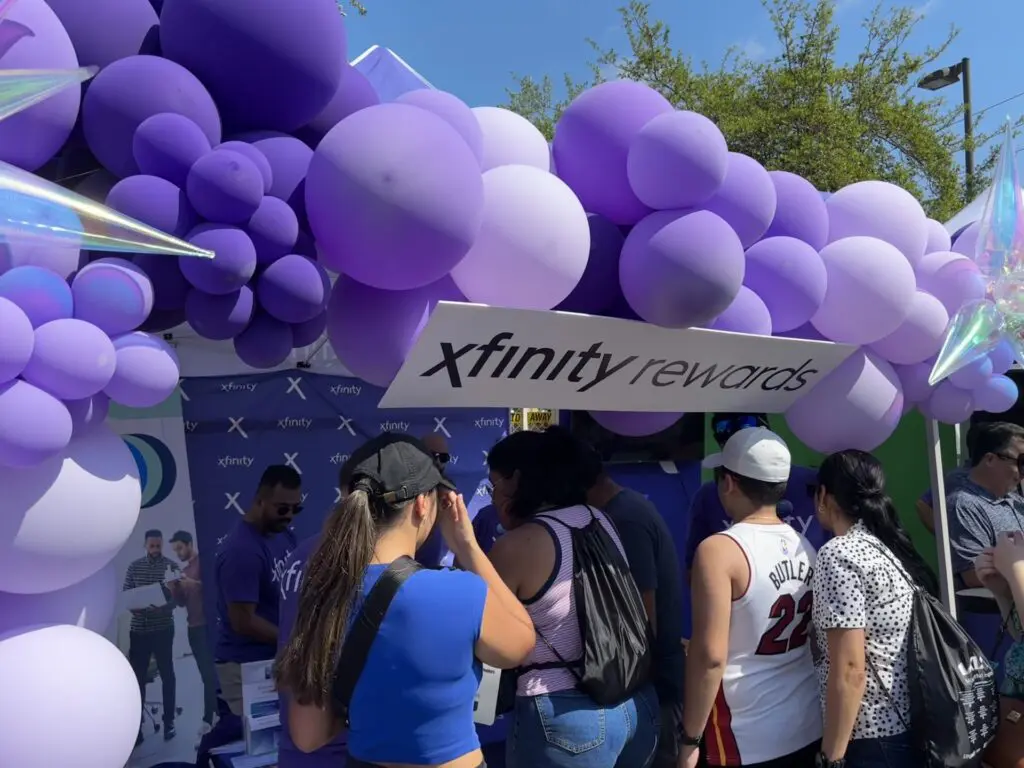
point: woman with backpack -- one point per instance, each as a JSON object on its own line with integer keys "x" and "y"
{"x": 566, "y": 715}
{"x": 864, "y": 590}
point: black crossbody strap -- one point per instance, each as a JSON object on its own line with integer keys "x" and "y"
{"x": 356, "y": 648}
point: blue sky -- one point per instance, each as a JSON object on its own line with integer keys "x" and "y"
{"x": 472, "y": 47}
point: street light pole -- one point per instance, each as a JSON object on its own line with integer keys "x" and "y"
{"x": 948, "y": 76}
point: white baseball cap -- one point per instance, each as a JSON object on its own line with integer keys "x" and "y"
{"x": 754, "y": 452}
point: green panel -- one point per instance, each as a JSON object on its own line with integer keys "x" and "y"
{"x": 168, "y": 409}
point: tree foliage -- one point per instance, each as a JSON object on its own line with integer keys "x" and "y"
{"x": 802, "y": 109}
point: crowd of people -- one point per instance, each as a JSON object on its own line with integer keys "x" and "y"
{"x": 801, "y": 585}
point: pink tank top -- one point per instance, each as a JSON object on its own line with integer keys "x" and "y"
{"x": 553, "y": 610}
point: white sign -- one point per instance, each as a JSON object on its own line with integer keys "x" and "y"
{"x": 475, "y": 356}
{"x": 485, "y": 704}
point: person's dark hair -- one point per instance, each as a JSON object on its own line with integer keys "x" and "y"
{"x": 279, "y": 475}
{"x": 759, "y": 492}
{"x": 154, "y": 533}
{"x": 332, "y": 580}
{"x": 183, "y": 536}
{"x": 991, "y": 437}
{"x": 551, "y": 469}
{"x": 856, "y": 480}
{"x": 345, "y": 473}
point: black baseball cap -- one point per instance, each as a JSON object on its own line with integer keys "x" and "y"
{"x": 399, "y": 468}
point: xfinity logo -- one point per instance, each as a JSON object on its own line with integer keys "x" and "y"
{"x": 232, "y": 503}
{"x": 440, "y": 427}
{"x": 290, "y": 423}
{"x": 235, "y": 461}
{"x": 589, "y": 367}
{"x": 290, "y": 578}
{"x": 234, "y": 386}
{"x": 191, "y": 426}
{"x": 345, "y": 389}
{"x": 489, "y": 422}
{"x": 394, "y": 426}
{"x": 236, "y": 426}
{"x": 339, "y": 458}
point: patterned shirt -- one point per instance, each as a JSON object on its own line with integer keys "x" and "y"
{"x": 143, "y": 572}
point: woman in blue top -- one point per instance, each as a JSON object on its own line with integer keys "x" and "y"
{"x": 413, "y": 703}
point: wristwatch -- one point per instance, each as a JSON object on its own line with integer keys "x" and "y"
{"x": 688, "y": 741}
{"x": 822, "y": 761}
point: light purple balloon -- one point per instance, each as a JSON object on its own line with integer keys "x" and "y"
{"x": 948, "y": 404}
{"x": 870, "y": 290}
{"x": 355, "y": 92}
{"x": 16, "y": 340}
{"x": 88, "y": 604}
{"x": 881, "y": 210}
{"x": 805, "y": 331}
{"x": 232, "y": 266}
{"x": 914, "y": 379}
{"x": 292, "y": 289}
{"x": 34, "y": 425}
{"x": 309, "y": 332}
{"x": 598, "y": 289}
{"x": 591, "y": 146}
{"x": 88, "y": 413}
{"x": 394, "y": 196}
{"x": 800, "y": 210}
{"x": 452, "y": 110}
{"x": 951, "y": 278}
{"x": 220, "y": 317}
{"x": 225, "y": 187}
{"x": 273, "y": 229}
{"x": 147, "y": 371}
{"x": 678, "y": 160}
{"x": 1002, "y": 357}
{"x": 113, "y": 294}
{"x": 266, "y": 343}
{"x": 62, "y": 257}
{"x": 42, "y": 295}
{"x": 967, "y": 241}
{"x": 72, "y": 359}
{"x": 857, "y": 405}
{"x": 167, "y": 145}
{"x": 630, "y": 424}
{"x": 997, "y": 394}
{"x": 789, "y": 276}
{"x": 938, "y": 238}
{"x": 371, "y": 331}
{"x": 258, "y": 159}
{"x": 169, "y": 285}
{"x": 919, "y": 336}
{"x": 680, "y": 269}
{"x": 746, "y": 314}
{"x": 746, "y": 199}
{"x": 972, "y": 375}
{"x": 510, "y": 139}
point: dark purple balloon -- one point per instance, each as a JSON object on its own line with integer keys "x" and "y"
{"x": 354, "y": 92}
{"x": 104, "y": 31}
{"x": 598, "y": 289}
{"x": 789, "y": 276}
{"x": 153, "y": 201}
{"x": 289, "y": 162}
{"x": 167, "y": 145}
{"x": 309, "y": 332}
{"x": 746, "y": 314}
{"x": 161, "y": 320}
{"x": 169, "y": 285}
{"x": 231, "y": 268}
{"x": 266, "y": 343}
{"x": 292, "y": 289}
{"x": 274, "y": 230}
{"x": 220, "y": 317}
{"x": 225, "y": 187}
{"x": 800, "y": 210}
{"x": 807, "y": 331}
{"x": 258, "y": 159}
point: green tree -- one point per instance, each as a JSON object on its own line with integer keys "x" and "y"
{"x": 802, "y": 110}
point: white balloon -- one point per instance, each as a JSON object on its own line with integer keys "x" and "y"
{"x": 78, "y": 683}
{"x": 63, "y": 520}
{"x": 511, "y": 139}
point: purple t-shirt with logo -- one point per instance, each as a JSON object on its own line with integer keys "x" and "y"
{"x": 248, "y": 567}
{"x": 708, "y": 516}
{"x": 288, "y": 756}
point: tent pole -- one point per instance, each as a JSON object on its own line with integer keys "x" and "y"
{"x": 946, "y": 587}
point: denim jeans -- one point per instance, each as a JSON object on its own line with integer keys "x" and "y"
{"x": 897, "y": 751}
{"x": 568, "y": 730}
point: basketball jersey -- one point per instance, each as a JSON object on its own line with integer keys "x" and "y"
{"x": 768, "y": 705}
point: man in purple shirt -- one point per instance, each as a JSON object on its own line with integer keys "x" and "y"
{"x": 250, "y": 562}
{"x": 708, "y": 516}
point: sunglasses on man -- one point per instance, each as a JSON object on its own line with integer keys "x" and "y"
{"x": 287, "y": 509}
{"x": 1018, "y": 460}
{"x": 442, "y": 458}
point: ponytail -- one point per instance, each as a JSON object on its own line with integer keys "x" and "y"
{"x": 881, "y": 518}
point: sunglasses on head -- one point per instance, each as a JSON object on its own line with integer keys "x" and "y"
{"x": 442, "y": 458}
{"x": 728, "y": 427}
{"x": 286, "y": 509}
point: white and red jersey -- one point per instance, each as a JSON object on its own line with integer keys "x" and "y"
{"x": 768, "y": 705}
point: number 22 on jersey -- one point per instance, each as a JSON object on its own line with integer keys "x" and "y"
{"x": 789, "y": 630}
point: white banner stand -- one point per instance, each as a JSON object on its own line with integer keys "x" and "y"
{"x": 947, "y": 590}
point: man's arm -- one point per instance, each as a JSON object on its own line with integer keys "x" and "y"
{"x": 129, "y": 578}
{"x": 700, "y": 523}
{"x": 240, "y": 574}
{"x": 638, "y": 543}
{"x": 970, "y": 533}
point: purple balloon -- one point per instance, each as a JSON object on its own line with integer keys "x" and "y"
{"x": 591, "y": 146}
{"x": 289, "y": 161}
{"x": 914, "y": 380}
{"x": 372, "y": 330}
{"x": 677, "y": 160}
{"x": 220, "y": 317}
{"x": 89, "y": 604}
{"x": 629, "y": 424}
{"x": 309, "y": 332}
{"x": 88, "y": 413}
{"x": 598, "y": 289}
{"x": 266, "y": 343}
{"x": 952, "y": 278}
{"x": 881, "y": 210}
{"x": 34, "y": 425}
{"x": 453, "y": 111}
{"x": 972, "y": 375}
{"x": 292, "y": 289}
{"x": 919, "y": 336}
{"x": 113, "y": 294}
{"x": 153, "y": 201}
{"x": 511, "y": 139}
{"x": 265, "y": 68}
{"x": 147, "y": 371}
{"x": 1002, "y": 357}
{"x": 72, "y": 359}
{"x": 870, "y": 290}
{"x": 746, "y": 314}
{"x": 62, "y": 257}
{"x": 231, "y": 268}
{"x": 161, "y": 320}
{"x": 966, "y": 242}
{"x": 169, "y": 284}
{"x": 800, "y": 210}
{"x": 225, "y": 187}
{"x": 127, "y": 92}
{"x": 42, "y": 295}
{"x": 273, "y": 229}
{"x": 168, "y": 145}
{"x": 857, "y": 405}
{"x": 806, "y": 331}
{"x": 789, "y": 276}
{"x": 680, "y": 269}
{"x": 997, "y": 394}
{"x": 16, "y": 340}
{"x": 103, "y": 32}
{"x": 948, "y": 404}
{"x": 258, "y": 159}
{"x": 35, "y": 39}
{"x": 354, "y": 92}
{"x": 394, "y": 196}
{"x": 938, "y": 238}
{"x": 746, "y": 199}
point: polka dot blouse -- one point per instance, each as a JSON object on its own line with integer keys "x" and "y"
{"x": 858, "y": 587}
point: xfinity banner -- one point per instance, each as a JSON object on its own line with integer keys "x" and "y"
{"x": 475, "y": 356}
